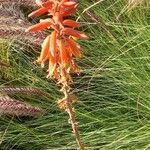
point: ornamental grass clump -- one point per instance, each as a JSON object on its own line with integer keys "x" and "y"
{"x": 60, "y": 49}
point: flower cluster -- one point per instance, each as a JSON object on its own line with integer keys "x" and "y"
{"x": 60, "y": 47}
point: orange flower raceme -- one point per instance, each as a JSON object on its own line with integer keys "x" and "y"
{"x": 59, "y": 48}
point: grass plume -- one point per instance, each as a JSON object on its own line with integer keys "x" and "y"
{"x": 13, "y": 107}
{"x": 22, "y": 90}
{"x": 13, "y": 26}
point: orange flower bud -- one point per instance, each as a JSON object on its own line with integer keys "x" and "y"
{"x": 38, "y": 12}
{"x": 39, "y": 26}
{"x": 45, "y": 50}
{"x": 73, "y": 48}
{"x": 53, "y": 44}
{"x": 75, "y": 33}
{"x": 64, "y": 54}
{"x": 71, "y": 23}
{"x": 68, "y": 11}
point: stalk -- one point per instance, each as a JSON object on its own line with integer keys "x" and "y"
{"x": 72, "y": 119}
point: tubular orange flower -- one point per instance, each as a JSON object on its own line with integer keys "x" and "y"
{"x": 68, "y": 11}
{"x": 38, "y": 12}
{"x": 45, "y": 50}
{"x": 39, "y": 26}
{"x": 53, "y": 44}
{"x": 73, "y": 48}
{"x": 64, "y": 54}
{"x": 44, "y": 9}
{"x": 71, "y": 23}
{"x": 75, "y": 33}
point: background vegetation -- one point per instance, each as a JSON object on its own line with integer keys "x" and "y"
{"x": 113, "y": 110}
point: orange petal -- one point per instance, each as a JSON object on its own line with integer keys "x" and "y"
{"x": 38, "y": 12}
{"x": 74, "y": 48}
{"x": 75, "y": 33}
{"x": 68, "y": 11}
{"x": 39, "y": 26}
{"x": 64, "y": 54}
{"x": 71, "y": 23}
{"x": 45, "y": 8}
{"x": 45, "y": 50}
{"x": 53, "y": 44}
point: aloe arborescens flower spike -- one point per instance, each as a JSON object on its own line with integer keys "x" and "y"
{"x": 60, "y": 48}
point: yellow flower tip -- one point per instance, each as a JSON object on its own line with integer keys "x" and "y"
{"x": 71, "y": 23}
{"x": 30, "y": 15}
{"x": 42, "y": 65}
{"x": 75, "y": 38}
{"x": 38, "y": 12}
{"x": 84, "y": 36}
{"x": 27, "y": 30}
{"x": 49, "y": 75}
